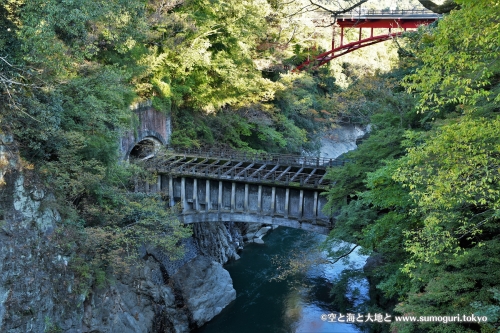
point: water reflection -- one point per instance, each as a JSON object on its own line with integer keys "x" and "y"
{"x": 292, "y": 305}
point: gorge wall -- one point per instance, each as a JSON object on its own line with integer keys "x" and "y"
{"x": 39, "y": 292}
{"x": 342, "y": 139}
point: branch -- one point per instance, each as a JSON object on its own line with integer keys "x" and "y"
{"x": 446, "y": 7}
{"x": 342, "y": 11}
{"x": 300, "y": 11}
{"x": 344, "y": 255}
{"x": 293, "y": 34}
{"x": 7, "y": 82}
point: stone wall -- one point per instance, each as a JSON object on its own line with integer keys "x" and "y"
{"x": 152, "y": 124}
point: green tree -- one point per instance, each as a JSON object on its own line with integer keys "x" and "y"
{"x": 67, "y": 104}
{"x": 435, "y": 203}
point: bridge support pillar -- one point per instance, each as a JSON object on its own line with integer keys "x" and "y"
{"x": 259, "y": 200}
{"x": 208, "y": 202}
{"x": 171, "y": 191}
{"x": 233, "y": 196}
{"x": 183, "y": 194}
{"x": 245, "y": 202}
{"x": 315, "y": 207}
{"x": 273, "y": 200}
{"x": 158, "y": 184}
{"x": 219, "y": 200}
{"x": 196, "y": 204}
{"x": 301, "y": 203}
{"x": 287, "y": 200}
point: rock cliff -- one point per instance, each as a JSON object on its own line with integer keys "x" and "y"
{"x": 39, "y": 292}
{"x": 342, "y": 139}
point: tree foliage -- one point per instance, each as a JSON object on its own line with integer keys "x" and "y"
{"x": 67, "y": 109}
{"x": 421, "y": 193}
{"x": 429, "y": 209}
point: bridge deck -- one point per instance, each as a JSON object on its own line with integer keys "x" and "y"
{"x": 388, "y": 14}
{"x": 285, "y": 170}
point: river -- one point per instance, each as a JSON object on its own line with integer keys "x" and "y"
{"x": 295, "y": 304}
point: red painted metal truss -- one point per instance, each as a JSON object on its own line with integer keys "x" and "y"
{"x": 325, "y": 57}
{"x": 393, "y": 20}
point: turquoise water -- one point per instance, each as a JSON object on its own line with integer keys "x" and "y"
{"x": 266, "y": 306}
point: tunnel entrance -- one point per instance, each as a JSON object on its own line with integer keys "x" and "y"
{"x": 145, "y": 148}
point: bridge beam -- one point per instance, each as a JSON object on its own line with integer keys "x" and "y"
{"x": 245, "y": 170}
{"x": 167, "y": 160}
{"x": 193, "y": 168}
{"x": 296, "y": 174}
{"x": 283, "y": 173}
{"x": 228, "y": 172}
{"x": 310, "y": 175}
{"x": 258, "y": 170}
{"x": 186, "y": 163}
{"x": 222, "y": 166}
{"x": 245, "y": 202}
{"x": 253, "y": 218}
{"x": 246, "y": 199}
{"x": 322, "y": 178}
{"x": 170, "y": 166}
{"x": 271, "y": 171}
{"x": 402, "y": 20}
{"x": 208, "y": 166}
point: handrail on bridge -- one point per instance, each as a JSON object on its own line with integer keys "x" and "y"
{"x": 388, "y": 12}
{"x": 284, "y": 159}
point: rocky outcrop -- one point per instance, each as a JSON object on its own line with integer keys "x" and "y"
{"x": 143, "y": 301}
{"x": 40, "y": 292}
{"x": 36, "y": 286}
{"x": 253, "y": 232}
{"x": 206, "y": 288}
{"x": 138, "y": 301}
{"x": 218, "y": 240}
{"x": 342, "y": 139}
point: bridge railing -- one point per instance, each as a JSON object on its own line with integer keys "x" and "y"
{"x": 304, "y": 179}
{"x": 388, "y": 12}
{"x": 284, "y": 159}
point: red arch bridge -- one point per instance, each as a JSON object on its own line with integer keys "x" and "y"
{"x": 396, "y": 21}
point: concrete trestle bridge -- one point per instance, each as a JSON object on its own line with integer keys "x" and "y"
{"x": 221, "y": 185}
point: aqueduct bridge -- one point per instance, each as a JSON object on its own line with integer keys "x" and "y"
{"x": 224, "y": 186}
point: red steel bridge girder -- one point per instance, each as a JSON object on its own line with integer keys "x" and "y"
{"x": 325, "y": 57}
{"x": 383, "y": 23}
{"x": 365, "y": 22}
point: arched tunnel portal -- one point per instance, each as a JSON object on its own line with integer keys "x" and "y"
{"x": 145, "y": 148}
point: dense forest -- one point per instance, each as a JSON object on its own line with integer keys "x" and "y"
{"x": 421, "y": 194}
